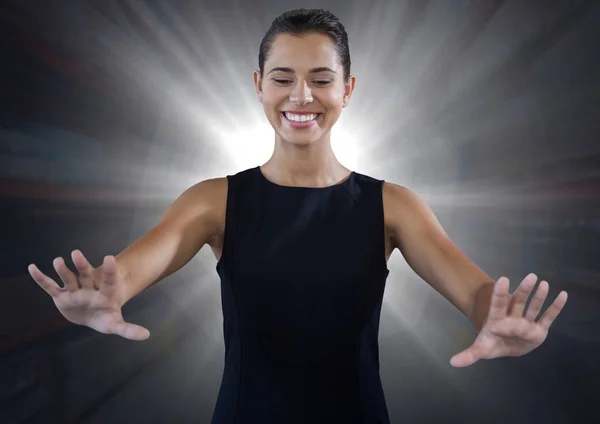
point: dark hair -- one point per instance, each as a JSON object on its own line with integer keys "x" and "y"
{"x": 302, "y": 21}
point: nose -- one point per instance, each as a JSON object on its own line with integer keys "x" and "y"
{"x": 301, "y": 93}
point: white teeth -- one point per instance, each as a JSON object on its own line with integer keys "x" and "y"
{"x": 300, "y": 118}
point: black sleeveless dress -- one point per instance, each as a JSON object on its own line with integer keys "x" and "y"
{"x": 303, "y": 273}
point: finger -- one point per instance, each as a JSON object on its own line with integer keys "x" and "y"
{"x": 86, "y": 271}
{"x": 519, "y": 297}
{"x": 500, "y": 300}
{"x": 465, "y": 358}
{"x": 553, "y": 310}
{"x": 131, "y": 331}
{"x": 48, "y": 284}
{"x": 66, "y": 275}
{"x": 109, "y": 275}
{"x": 539, "y": 297}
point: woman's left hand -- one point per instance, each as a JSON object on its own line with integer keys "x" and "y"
{"x": 507, "y": 330}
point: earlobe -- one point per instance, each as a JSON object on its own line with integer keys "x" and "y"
{"x": 259, "y": 92}
{"x": 346, "y": 101}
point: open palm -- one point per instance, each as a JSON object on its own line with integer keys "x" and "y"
{"x": 93, "y": 298}
{"x": 509, "y": 329}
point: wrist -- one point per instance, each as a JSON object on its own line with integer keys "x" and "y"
{"x": 480, "y": 304}
{"x": 124, "y": 282}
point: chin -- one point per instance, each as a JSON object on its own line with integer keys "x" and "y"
{"x": 300, "y": 140}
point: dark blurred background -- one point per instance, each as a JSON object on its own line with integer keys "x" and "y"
{"x": 110, "y": 109}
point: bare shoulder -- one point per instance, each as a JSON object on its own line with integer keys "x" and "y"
{"x": 205, "y": 203}
{"x": 404, "y": 211}
{"x": 400, "y": 201}
{"x": 211, "y": 196}
{"x": 207, "y": 191}
{"x": 395, "y": 192}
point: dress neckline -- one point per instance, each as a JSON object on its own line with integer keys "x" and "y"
{"x": 338, "y": 184}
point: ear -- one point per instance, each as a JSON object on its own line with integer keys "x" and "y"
{"x": 349, "y": 89}
{"x": 258, "y": 84}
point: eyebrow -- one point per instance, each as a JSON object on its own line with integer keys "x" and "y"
{"x": 312, "y": 70}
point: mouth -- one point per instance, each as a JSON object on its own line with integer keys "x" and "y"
{"x": 300, "y": 120}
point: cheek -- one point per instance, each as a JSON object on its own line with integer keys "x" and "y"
{"x": 333, "y": 98}
{"x": 269, "y": 105}
{"x": 333, "y": 103}
{"x": 272, "y": 103}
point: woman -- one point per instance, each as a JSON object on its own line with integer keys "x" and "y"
{"x": 302, "y": 245}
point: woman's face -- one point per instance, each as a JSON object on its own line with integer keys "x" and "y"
{"x": 302, "y": 89}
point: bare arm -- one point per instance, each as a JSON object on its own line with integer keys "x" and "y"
{"x": 433, "y": 256}
{"x": 193, "y": 220}
{"x": 94, "y": 296}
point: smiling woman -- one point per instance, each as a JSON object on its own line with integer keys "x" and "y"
{"x": 296, "y": 94}
{"x": 302, "y": 245}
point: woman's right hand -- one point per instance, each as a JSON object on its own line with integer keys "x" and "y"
{"x": 93, "y": 298}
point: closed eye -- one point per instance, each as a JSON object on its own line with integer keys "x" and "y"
{"x": 320, "y": 83}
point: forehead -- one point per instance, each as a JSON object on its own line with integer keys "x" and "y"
{"x": 302, "y": 51}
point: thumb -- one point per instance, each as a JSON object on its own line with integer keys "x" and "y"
{"x": 465, "y": 358}
{"x": 130, "y": 331}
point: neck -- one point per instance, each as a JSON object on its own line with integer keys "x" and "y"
{"x": 312, "y": 165}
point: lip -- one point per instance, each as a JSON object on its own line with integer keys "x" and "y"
{"x": 301, "y": 112}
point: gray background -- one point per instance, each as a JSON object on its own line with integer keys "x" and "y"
{"x": 110, "y": 109}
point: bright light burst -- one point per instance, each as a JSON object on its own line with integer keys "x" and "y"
{"x": 253, "y": 144}
{"x": 216, "y": 113}
{"x": 247, "y": 146}
{"x": 413, "y": 118}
